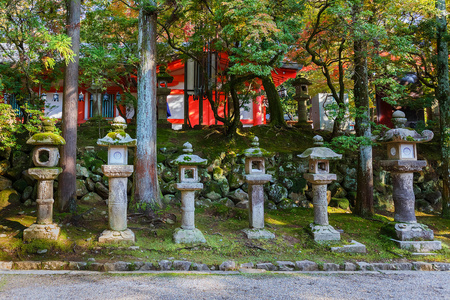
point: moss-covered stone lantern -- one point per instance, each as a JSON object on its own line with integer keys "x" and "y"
{"x": 189, "y": 183}
{"x": 319, "y": 176}
{"x": 45, "y": 158}
{"x": 256, "y": 177}
{"x": 301, "y": 95}
{"x": 117, "y": 170}
{"x": 402, "y": 163}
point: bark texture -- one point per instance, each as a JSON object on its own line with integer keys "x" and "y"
{"x": 275, "y": 109}
{"x": 443, "y": 97}
{"x": 67, "y": 180}
{"x": 364, "y": 191}
{"x": 146, "y": 192}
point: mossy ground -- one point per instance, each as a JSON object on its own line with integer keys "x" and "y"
{"x": 221, "y": 225}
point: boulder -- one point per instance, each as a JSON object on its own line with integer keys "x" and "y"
{"x": 223, "y": 185}
{"x": 182, "y": 265}
{"x": 27, "y": 193}
{"x": 238, "y": 195}
{"x": 168, "y": 199}
{"x": 82, "y": 172}
{"x": 213, "y": 196}
{"x": 90, "y": 184}
{"x": 423, "y": 206}
{"x": 340, "y": 193}
{"x": 5, "y": 183}
{"x": 434, "y": 197}
{"x": 277, "y": 192}
{"x": 9, "y": 197}
{"x": 92, "y": 199}
{"x": 203, "y": 202}
{"x": 287, "y": 183}
{"x": 228, "y": 266}
{"x": 168, "y": 188}
{"x": 167, "y": 175}
{"x": 340, "y": 203}
{"x": 242, "y": 204}
{"x": 236, "y": 180}
{"x": 227, "y": 202}
{"x": 218, "y": 173}
{"x": 286, "y": 204}
{"x": 212, "y": 186}
{"x": 306, "y": 265}
{"x": 81, "y": 188}
{"x": 101, "y": 190}
{"x": 95, "y": 177}
{"x": 4, "y": 166}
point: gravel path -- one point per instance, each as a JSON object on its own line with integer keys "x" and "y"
{"x": 391, "y": 285}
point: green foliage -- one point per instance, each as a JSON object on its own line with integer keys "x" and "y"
{"x": 13, "y": 130}
{"x": 30, "y": 45}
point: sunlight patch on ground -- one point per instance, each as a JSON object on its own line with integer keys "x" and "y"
{"x": 24, "y": 220}
{"x": 274, "y": 222}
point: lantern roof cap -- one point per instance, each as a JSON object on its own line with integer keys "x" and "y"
{"x": 320, "y": 153}
{"x": 117, "y": 137}
{"x": 48, "y": 137}
{"x": 255, "y": 151}
{"x": 300, "y": 80}
{"x": 401, "y": 134}
{"x": 189, "y": 159}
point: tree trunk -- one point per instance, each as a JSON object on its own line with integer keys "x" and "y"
{"x": 275, "y": 109}
{"x": 146, "y": 193}
{"x": 364, "y": 191}
{"x": 235, "y": 122}
{"x": 443, "y": 97}
{"x": 67, "y": 179}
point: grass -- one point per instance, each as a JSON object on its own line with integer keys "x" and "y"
{"x": 222, "y": 229}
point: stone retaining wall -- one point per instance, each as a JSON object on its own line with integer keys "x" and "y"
{"x": 181, "y": 265}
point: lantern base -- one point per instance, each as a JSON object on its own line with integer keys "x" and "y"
{"x": 112, "y": 236}
{"x": 258, "y": 234}
{"x": 354, "y": 247}
{"x": 41, "y": 232}
{"x": 323, "y": 233}
{"x": 188, "y": 236}
{"x": 419, "y": 246}
{"x": 413, "y": 231}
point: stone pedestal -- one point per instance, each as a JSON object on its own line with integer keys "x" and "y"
{"x": 188, "y": 233}
{"x": 321, "y": 229}
{"x": 117, "y": 204}
{"x": 44, "y": 227}
{"x": 256, "y": 207}
{"x": 408, "y": 231}
{"x": 302, "y": 111}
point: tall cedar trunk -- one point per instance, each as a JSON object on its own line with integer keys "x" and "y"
{"x": 232, "y": 127}
{"x": 146, "y": 192}
{"x": 67, "y": 179}
{"x": 443, "y": 97}
{"x": 275, "y": 109}
{"x": 364, "y": 191}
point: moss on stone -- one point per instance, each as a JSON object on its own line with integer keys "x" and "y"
{"x": 7, "y": 197}
{"x": 46, "y": 138}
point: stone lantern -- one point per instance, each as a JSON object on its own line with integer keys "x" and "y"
{"x": 162, "y": 92}
{"x": 402, "y": 163}
{"x": 319, "y": 176}
{"x": 256, "y": 177}
{"x": 45, "y": 158}
{"x": 117, "y": 170}
{"x": 189, "y": 183}
{"x": 301, "y": 95}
